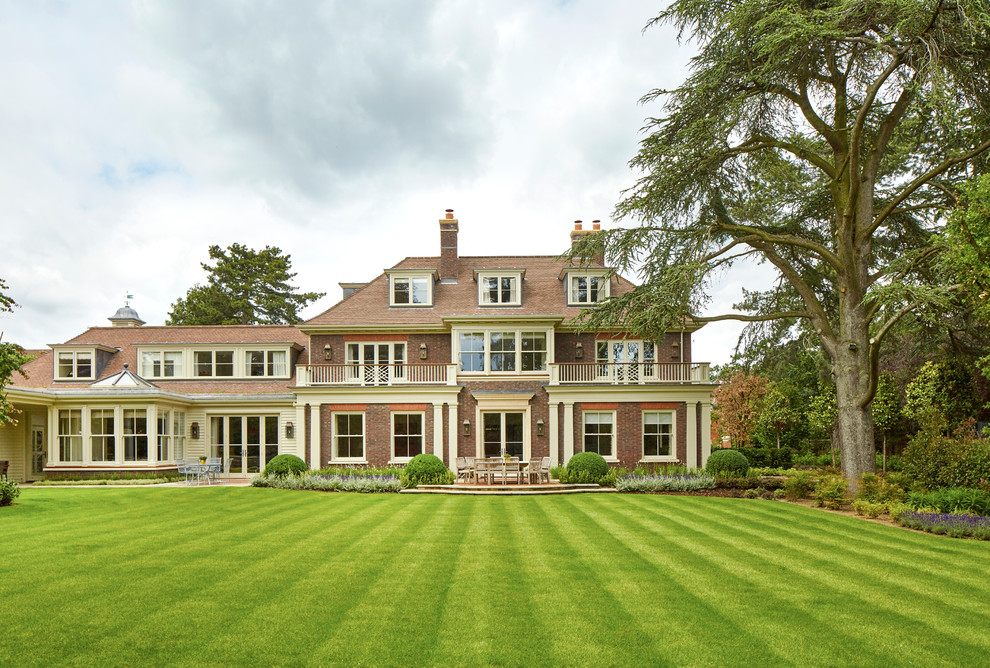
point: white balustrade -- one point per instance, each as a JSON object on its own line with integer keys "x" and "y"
{"x": 372, "y": 374}
{"x": 629, "y": 373}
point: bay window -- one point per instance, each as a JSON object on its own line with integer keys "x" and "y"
{"x": 135, "y": 435}
{"x": 102, "y": 435}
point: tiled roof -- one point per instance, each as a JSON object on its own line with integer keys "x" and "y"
{"x": 40, "y": 370}
{"x": 543, "y": 294}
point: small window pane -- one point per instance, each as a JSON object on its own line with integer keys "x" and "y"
{"x": 204, "y": 362}
{"x": 256, "y": 363}
{"x": 84, "y": 365}
{"x": 421, "y": 291}
{"x": 400, "y": 292}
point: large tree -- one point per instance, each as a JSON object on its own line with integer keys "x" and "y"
{"x": 824, "y": 138}
{"x": 244, "y": 287}
{"x": 12, "y": 358}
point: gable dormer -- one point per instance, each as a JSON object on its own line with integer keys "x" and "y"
{"x": 499, "y": 287}
{"x": 411, "y": 287}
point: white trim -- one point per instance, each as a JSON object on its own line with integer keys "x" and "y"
{"x": 552, "y": 431}
{"x": 453, "y": 429}
{"x": 411, "y": 276}
{"x": 480, "y": 275}
{"x": 486, "y": 352}
{"x": 422, "y": 434}
{"x": 90, "y": 352}
{"x": 314, "y": 436}
{"x": 614, "y": 457}
{"x": 437, "y": 432}
{"x": 673, "y": 435}
{"x": 604, "y": 286}
{"x": 568, "y": 431}
{"x": 333, "y": 438}
{"x": 692, "y": 435}
{"x": 706, "y": 432}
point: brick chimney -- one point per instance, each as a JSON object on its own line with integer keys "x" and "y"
{"x": 579, "y": 232}
{"x": 448, "y": 247}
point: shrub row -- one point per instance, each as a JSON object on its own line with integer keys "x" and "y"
{"x": 767, "y": 457}
{"x": 960, "y": 460}
{"x": 665, "y": 483}
{"x": 331, "y": 483}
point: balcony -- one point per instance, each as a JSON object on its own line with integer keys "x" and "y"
{"x": 629, "y": 373}
{"x": 375, "y": 375}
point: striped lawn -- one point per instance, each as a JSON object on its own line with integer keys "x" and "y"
{"x": 242, "y": 575}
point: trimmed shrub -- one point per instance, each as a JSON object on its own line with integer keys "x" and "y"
{"x": 831, "y": 492}
{"x": 591, "y": 464}
{"x": 959, "y": 460}
{"x": 426, "y": 469}
{"x": 8, "y": 492}
{"x": 870, "y": 509}
{"x": 727, "y": 464}
{"x": 283, "y": 465}
{"x": 779, "y": 494}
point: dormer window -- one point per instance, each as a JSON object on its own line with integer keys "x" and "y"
{"x": 414, "y": 288}
{"x": 75, "y": 364}
{"x": 586, "y": 288}
{"x": 159, "y": 364}
{"x": 499, "y": 288}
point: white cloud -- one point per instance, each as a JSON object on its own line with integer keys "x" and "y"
{"x": 137, "y": 134}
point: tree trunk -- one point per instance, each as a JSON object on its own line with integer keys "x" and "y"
{"x": 885, "y": 453}
{"x": 855, "y": 416}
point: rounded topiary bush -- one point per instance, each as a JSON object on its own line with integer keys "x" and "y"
{"x": 427, "y": 469}
{"x": 727, "y": 464}
{"x": 283, "y": 465}
{"x": 589, "y": 467}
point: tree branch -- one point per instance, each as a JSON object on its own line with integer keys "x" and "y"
{"x": 752, "y": 318}
{"x": 922, "y": 180}
{"x": 780, "y": 239}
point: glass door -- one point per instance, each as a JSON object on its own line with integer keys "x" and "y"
{"x": 248, "y": 441}
{"x": 371, "y": 363}
{"x": 503, "y": 434}
{"x": 618, "y": 361}
{"x": 36, "y": 454}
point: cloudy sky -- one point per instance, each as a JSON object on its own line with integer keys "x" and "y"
{"x": 136, "y": 134}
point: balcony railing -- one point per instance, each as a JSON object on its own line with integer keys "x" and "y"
{"x": 376, "y": 374}
{"x": 629, "y": 373}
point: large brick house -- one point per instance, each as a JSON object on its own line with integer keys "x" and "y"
{"x": 451, "y": 355}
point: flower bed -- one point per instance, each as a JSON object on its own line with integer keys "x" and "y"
{"x": 686, "y": 482}
{"x": 956, "y": 525}
{"x": 368, "y": 484}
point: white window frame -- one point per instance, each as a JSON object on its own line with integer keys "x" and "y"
{"x": 75, "y": 439}
{"x": 614, "y": 457}
{"x": 194, "y": 367}
{"x": 158, "y": 358}
{"x": 422, "y": 433}
{"x": 411, "y": 278}
{"x": 603, "y": 287}
{"x": 268, "y": 365}
{"x": 334, "y": 435}
{"x": 112, "y": 435}
{"x": 486, "y": 352}
{"x": 673, "y": 436}
{"x": 74, "y": 373}
{"x": 515, "y": 291}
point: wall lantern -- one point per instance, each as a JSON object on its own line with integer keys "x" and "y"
{"x": 422, "y": 351}
{"x": 290, "y": 430}
{"x": 467, "y": 428}
{"x": 194, "y": 431}
{"x": 539, "y": 427}
{"x": 674, "y": 349}
{"x": 578, "y": 350}
{"x": 327, "y": 352}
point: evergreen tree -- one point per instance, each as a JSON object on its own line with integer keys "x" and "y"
{"x": 244, "y": 287}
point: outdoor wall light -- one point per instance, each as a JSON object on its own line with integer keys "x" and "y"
{"x": 194, "y": 431}
{"x": 327, "y": 352}
{"x": 539, "y": 427}
{"x": 578, "y": 350}
{"x": 422, "y": 351}
{"x": 290, "y": 430}
{"x": 467, "y": 428}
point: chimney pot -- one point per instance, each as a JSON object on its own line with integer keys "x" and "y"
{"x": 450, "y": 214}
{"x": 596, "y": 224}
{"x": 577, "y": 224}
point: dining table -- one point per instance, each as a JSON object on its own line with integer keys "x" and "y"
{"x": 491, "y": 466}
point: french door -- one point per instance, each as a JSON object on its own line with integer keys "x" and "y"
{"x": 503, "y": 434}
{"x": 248, "y": 441}
{"x": 375, "y": 363}
{"x": 625, "y": 361}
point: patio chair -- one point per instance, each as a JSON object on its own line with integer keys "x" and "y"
{"x": 214, "y": 467}
{"x": 544, "y": 470}
{"x": 463, "y": 469}
{"x": 484, "y": 469}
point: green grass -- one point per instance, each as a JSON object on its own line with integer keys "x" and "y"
{"x": 243, "y": 575}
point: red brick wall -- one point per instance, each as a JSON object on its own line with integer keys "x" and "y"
{"x": 437, "y": 347}
{"x": 629, "y": 431}
{"x": 539, "y": 410}
{"x": 565, "y": 345}
{"x": 377, "y": 429}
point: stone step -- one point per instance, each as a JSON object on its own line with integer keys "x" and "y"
{"x": 508, "y": 490}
